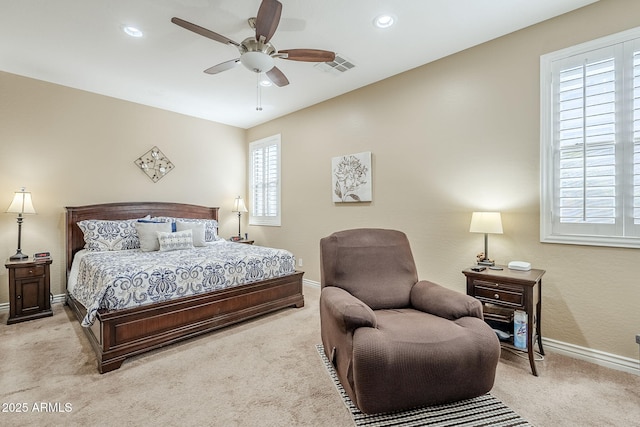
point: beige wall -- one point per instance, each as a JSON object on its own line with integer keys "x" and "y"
{"x": 70, "y": 147}
{"x": 448, "y": 138}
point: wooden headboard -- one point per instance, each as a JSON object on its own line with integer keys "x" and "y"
{"x": 127, "y": 210}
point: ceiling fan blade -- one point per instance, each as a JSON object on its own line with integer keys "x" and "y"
{"x": 277, "y": 77}
{"x": 308, "y": 55}
{"x": 223, "y": 66}
{"x": 268, "y": 19}
{"x": 203, "y": 31}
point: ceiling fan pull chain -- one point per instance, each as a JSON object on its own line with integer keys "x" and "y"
{"x": 259, "y": 94}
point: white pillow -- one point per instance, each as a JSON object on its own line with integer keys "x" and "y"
{"x": 148, "y": 234}
{"x": 174, "y": 241}
{"x": 197, "y": 230}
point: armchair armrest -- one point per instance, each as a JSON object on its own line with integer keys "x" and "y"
{"x": 435, "y": 299}
{"x": 347, "y": 311}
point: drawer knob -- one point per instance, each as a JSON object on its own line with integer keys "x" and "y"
{"x": 496, "y": 296}
{"x": 18, "y": 296}
{"x": 30, "y": 271}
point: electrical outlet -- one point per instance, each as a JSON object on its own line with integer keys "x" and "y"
{"x": 299, "y": 262}
{"x": 638, "y": 339}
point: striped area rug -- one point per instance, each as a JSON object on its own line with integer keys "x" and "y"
{"x": 484, "y": 410}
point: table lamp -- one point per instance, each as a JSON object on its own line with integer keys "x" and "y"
{"x": 21, "y": 204}
{"x": 238, "y": 206}
{"x": 487, "y": 223}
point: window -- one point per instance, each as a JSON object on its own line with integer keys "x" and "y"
{"x": 590, "y": 143}
{"x": 264, "y": 181}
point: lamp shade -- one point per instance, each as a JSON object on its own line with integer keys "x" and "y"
{"x": 238, "y": 205}
{"x": 21, "y": 203}
{"x": 486, "y": 222}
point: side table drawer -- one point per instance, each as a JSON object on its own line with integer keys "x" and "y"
{"x": 498, "y": 294}
{"x": 25, "y": 272}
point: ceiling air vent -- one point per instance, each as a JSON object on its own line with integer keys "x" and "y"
{"x": 337, "y": 66}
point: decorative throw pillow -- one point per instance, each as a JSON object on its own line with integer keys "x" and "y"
{"x": 197, "y": 230}
{"x": 106, "y": 235}
{"x": 210, "y": 226}
{"x": 174, "y": 241}
{"x": 148, "y": 234}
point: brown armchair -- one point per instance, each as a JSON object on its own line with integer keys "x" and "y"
{"x": 396, "y": 342}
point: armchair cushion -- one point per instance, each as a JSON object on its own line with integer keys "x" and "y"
{"x": 435, "y": 299}
{"x": 415, "y": 358}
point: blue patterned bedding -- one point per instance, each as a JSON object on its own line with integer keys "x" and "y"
{"x": 130, "y": 278}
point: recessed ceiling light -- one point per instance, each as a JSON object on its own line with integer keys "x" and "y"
{"x": 265, "y": 82}
{"x": 132, "y": 31}
{"x": 384, "y": 21}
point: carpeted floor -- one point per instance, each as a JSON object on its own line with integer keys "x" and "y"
{"x": 263, "y": 372}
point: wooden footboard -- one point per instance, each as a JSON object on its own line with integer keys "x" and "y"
{"x": 116, "y": 335}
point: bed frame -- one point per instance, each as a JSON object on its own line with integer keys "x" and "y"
{"x": 118, "y": 334}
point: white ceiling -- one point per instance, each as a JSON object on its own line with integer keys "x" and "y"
{"x": 80, "y": 43}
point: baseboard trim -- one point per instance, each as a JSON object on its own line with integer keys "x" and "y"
{"x": 62, "y": 298}
{"x": 597, "y": 357}
{"x": 311, "y": 283}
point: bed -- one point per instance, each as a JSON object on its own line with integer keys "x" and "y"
{"x": 116, "y": 334}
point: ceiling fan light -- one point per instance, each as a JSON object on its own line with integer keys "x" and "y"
{"x": 257, "y": 62}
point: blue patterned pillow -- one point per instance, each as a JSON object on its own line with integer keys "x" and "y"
{"x": 105, "y": 235}
{"x": 210, "y": 226}
{"x": 174, "y": 241}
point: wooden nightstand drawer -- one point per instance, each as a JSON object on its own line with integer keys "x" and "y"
{"x": 33, "y": 271}
{"x": 498, "y": 294}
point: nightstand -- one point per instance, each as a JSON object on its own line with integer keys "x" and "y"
{"x": 245, "y": 241}
{"x": 29, "y": 290}
{"x": 504, "y": 291}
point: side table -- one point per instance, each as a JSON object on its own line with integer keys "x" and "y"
{"x": 504, "y": 291}
{"x": 29, "y": 290}
{"x": 245, "y": 241}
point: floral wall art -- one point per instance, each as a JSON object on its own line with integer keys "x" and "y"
{"x": 351, "y": 177}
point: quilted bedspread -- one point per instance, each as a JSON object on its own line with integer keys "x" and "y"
{"x": 123, "y": 279}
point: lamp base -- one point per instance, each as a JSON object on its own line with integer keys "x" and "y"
{"x": 19, "y": 256}
{"x": 487, "y": 262}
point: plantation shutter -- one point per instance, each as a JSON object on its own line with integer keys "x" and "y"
{"x": 585, "y": 139}
{"x": 590, "y": 141}
{"x": 636, "y": 136}
{"x": 265, "y": 181}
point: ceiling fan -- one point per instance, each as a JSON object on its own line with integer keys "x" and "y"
{"x": 256, "y": 53}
